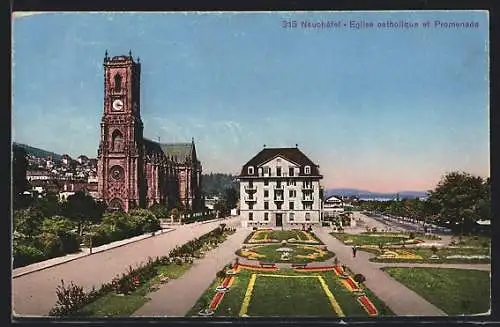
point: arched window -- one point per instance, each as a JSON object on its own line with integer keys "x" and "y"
{"x": 250, "y": 170}
{"x": 118, "y": 82}
{"x": 116, "y": 141}
{"x": 116, "y": 204}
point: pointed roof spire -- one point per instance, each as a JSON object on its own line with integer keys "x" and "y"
{"x": 130, "y": 53}
{"x": 192, "y": 140}
{"x": 138, "y": 59}
{"x": 106, "y": 54}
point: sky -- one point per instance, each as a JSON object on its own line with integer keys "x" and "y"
{"x": 378, "y": 108}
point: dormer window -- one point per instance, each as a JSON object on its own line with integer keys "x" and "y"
{"x": 260, "y": 171}
{"x": 307, "y": 170}
{"x": 250, "y": 170}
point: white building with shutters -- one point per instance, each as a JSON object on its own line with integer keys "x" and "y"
{"x": 280, "y": 187}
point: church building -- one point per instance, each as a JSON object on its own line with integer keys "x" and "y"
{"x": 132, "y": 170}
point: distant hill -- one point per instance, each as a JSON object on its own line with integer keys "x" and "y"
{"x": 371, "y": 195}
{"x": 39, "y": 153}
{"x": 215, "y": 183}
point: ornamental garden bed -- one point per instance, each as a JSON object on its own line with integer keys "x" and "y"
{"x": 427, "y": 255}
{"x": 287, "y": 292}
{"x": 455, "y": 291}
{"x": 300, "y": 253}
{"x": 276, "y": 236}
{"x": 375, "y": 239}
{"x": 127, "y": 293}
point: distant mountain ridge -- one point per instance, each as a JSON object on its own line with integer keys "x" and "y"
{"x": 37, "y": 152}
{"x": 372, "y": 195}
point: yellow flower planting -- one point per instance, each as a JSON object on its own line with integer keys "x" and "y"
{"x": 333, "y": 301}
{"x": 248, "y": 253}
{"x": 248, "y": 295}
{"x": 318, "y": 252}
{"x": 400, "y": 254}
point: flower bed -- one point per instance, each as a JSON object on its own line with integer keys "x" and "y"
{"x": 296, "y": 253}
{"x": 272, "y": 236}
{"x": 312, "y": 269}
{"x": 256, "y": 268}
{"x": 367, "y": 305}
{"x": 352, "y": 286}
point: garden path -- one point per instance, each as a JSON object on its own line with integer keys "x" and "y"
{"x": 34, "y": 294}
{"x": 178, "y": 296}
{"x": 401, "y": 300}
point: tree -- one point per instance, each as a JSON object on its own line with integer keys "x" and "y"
{"x": 82, "y": 208}
{"x": 28, "y": 222}
{"x": 231, "y": 197}
{"x": 458, "y": 196}
{"x": 49, "y": 205}
{"x": 145, "y": 220}
{"x": 159, "y": 210}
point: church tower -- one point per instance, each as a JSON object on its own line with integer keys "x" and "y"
{"x": 120, "y": 157}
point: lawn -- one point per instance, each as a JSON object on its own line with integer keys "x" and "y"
{"x": 299, "y": 236}
{"x": 455, "y": 291}
{"x": 475, "y": 241}
{"x": 300, "y": 254}
{"x": 266, "y": 301}
{"x": 287, "y": 293}
{"x": 114, "y": 305}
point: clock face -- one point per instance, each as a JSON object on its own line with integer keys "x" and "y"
{"x": 117, "y": 104}
{"x": 117, "y": 172}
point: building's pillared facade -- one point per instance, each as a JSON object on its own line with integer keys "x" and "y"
{"x": 133, "y": 171}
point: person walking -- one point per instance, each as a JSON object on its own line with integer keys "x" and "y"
{"x": 354, "y": 250}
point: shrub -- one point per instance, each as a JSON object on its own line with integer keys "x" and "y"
{"x": 434, "y": 249}
{"x": 412, "y": 235}
{"x": 221, "y": 273}
{"x": 69, "y": 299}
{"x": 70, "y": 242}
{"x": 50, "y": 244}
{"x": 25, "y": 255}
{"x": 359, "y": 278}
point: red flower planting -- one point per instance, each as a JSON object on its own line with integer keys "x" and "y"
{"x": 215, "y": 301}
{"x": 338, "y": 270}
{"x": 368, "y": 305}
{"x": 351, "y": 283}
{"x": 326, "y": 268}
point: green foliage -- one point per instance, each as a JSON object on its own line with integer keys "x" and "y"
{"x": 70, "y": 298}
{"x": 26, "y": 254}
{"x": 50, "y": 244}
{"x": 28, "y": 222}
{"x": 48, "y": 205}
{"x": 215, "y": 184}
{"x": 160, "y": 211}
{"x": 82, "y": 207}
{"x": 462, "y": 199}
{"x": 458, "y": 200}
{"x": 145, "y": 220}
